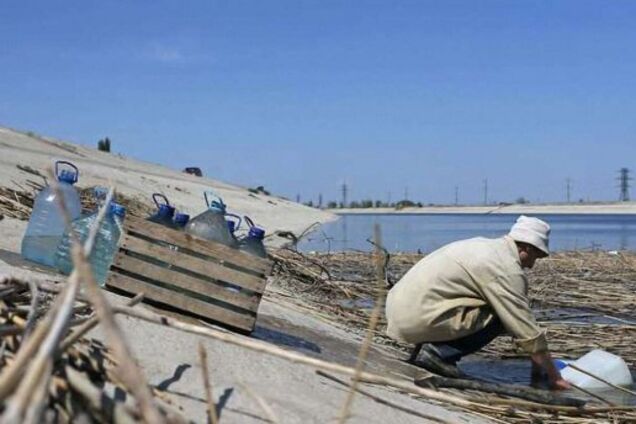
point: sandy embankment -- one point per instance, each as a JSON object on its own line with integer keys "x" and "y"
{"x": 169, "y": 358}
{"x": 140, "y": 179}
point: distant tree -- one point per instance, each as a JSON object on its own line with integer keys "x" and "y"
{"x": 522, "y": 200}
{"x": 310, "y": 203}
{"x": 354, "y": 205}
{"x": 404, "y": 204}
{"x": 332, "y": 205}
{"x": 378, "y": 203}
{"x": 104, "y": 145}
{"x": 366, "y": 203}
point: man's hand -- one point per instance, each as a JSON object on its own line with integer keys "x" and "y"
{"x": 560, "y": 384}
{"x": 543, "y": 360}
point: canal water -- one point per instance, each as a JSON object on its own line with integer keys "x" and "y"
{"x": 425, "y": 233}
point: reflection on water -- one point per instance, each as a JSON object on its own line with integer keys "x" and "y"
{"x": 425, "y": 233}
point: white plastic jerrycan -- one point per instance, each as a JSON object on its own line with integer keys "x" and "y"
{"x": 601, "y": 364}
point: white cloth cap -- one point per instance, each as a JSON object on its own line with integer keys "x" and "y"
{"x": 533, "y": 231}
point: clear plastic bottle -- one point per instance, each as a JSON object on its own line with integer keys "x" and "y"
{"x": 253, "y": 242}
{"x": 211, "y": 224}
{"x": 164, "y": 213}
{"x": 105, "y": 247}
{"x": 46, "y": 225}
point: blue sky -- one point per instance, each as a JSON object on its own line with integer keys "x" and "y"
{"x": 300, "y": 96}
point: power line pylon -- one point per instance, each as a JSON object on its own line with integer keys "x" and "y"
{"x": 624, "y": 179}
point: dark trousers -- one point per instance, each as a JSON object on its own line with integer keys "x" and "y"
{"x": 452, "y": 351}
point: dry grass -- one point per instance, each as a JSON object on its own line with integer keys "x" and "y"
{"x": 594, "y": 283}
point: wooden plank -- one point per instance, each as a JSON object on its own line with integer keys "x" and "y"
{"x": 179, "y": 301}
{"x": 175, "y": 278}
{"x": 204, "y": 247}
{"x": 191, "y": 263}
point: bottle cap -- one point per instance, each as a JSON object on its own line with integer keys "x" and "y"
{"x": 166, "y": 211}
{"x": 117, "y": 210}
{"x": 181, "y": 219}
{"x": 231, "y": 225}
{"x": 67, "y": 176}
{"x": 257, "y": 233}
{"x": 217, "y": 206}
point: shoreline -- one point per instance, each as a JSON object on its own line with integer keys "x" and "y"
{"x": 609, "y": 208}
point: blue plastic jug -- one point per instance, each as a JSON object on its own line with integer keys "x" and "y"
{"x": 46, "y": 225}
{"x": 211, "y": 224}
{"x": 253, "y": 242}
{"x": 105, "y": 247}
{"x": 164, "y": 213}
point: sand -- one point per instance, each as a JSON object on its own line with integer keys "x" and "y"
{"x": 141, "y": 179}
{"x": 169, "y": 358}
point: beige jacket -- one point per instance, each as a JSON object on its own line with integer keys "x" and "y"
{"x": 458, "y": 289}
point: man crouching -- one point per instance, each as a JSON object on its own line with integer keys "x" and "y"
{"x": 457, "y": 299}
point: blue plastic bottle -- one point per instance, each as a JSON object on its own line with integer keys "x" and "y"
{"x": 46, "y": 225}
{"x": 253, "y": 242}
{"x": 211, "y": 224}
{"x": 105, "y": 247}
{"x": 164, "y": 213}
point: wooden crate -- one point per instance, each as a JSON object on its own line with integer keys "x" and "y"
{"x": 188, "y": 275}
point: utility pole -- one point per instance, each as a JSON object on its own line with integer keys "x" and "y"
{"x": 568, "y": 188}
{"x": 456, "y": 195}
{"x": 406, "y": 193}
{"x": 298, "y": 198}
{"x": 624, "y": 179}
{"x": 486, "y": 191}
{"x": 388, "y": 199}
{"x": 345, "y": 190}
{"x": 319, "y": 200}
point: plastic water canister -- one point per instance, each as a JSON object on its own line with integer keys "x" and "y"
{"x": 599, "y": 363}
{"x": 47, "y": 225}
{"x": 253, "y": 243}
{"x": 106, "y": 243}
{"x": 211, "y": 224}
{"x": 165, "y": 212}
{"x": 105, "y": 247}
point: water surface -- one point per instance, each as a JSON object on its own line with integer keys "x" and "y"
{"x": 425, "y": 233}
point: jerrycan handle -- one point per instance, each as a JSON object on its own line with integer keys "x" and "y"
{"x": 238, "y": 224}
{"x": 213, "y": 195}
{"x": 63, "y": 162}
{"x": 161, "y": 196}
{"x": 249, "y": 221}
